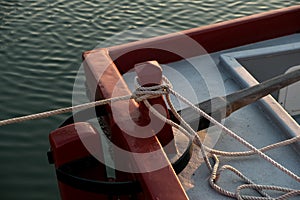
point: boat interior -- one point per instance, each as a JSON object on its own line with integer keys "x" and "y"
{"x": 262, "y": 123}
{"x": 201, "y": 64}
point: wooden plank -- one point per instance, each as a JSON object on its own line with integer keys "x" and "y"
{"x": 221, "y": 107}
{"x": 162, "y": 183}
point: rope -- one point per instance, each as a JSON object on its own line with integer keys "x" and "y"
{"x": 249, "y": 185}
{"x": 142, "y": 94}
{"x": 254, "y": 150}
{"x": 216, "y": 175}
{"x": 137, "y": 95}
{"x": 249, "y": 153}
{"x": 173, "y": 124}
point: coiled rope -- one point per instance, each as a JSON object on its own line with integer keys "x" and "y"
{"x": 142, "y": 94}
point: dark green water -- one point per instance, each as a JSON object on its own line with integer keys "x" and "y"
{"x": 40, "y": 52}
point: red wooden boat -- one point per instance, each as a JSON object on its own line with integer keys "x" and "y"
{"x": 80, "y": 176}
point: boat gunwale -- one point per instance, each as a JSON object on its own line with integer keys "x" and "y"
{"x": 212, "y": 38}
{"x": 104, "y": 67}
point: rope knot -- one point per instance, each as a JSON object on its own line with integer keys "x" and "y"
{"x": 142, "y": 93}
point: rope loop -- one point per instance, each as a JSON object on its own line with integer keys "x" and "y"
{"x": 166, "y": 89}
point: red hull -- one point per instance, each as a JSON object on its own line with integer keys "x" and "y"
{"x": 104, "y": 67}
